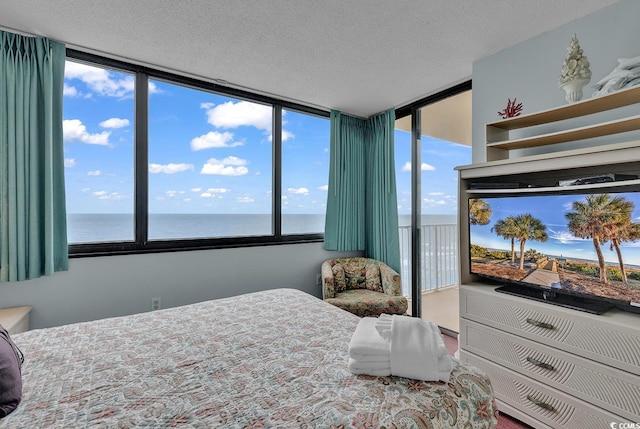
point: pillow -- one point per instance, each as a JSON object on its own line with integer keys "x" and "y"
{"x": 11, "y": 359}
{"x": 355, "y": 276}
{"x": 339, "y": 278}
{"x": 373, "y": 281}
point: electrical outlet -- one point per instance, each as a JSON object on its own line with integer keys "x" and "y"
{"x": 155, "y": 303}
{"x": 318, "y": 279}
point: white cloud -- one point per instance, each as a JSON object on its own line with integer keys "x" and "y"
{"x": 69, "y": 162}
{"x": 100, "y": 81}
{"x": 286, "y": 135}
{"x": 214, "y": 139}
{"x": 434, "y": 202}
{"x": 423, "y": 167}
{"x": 303, "y": 191}
{"x": 230, "y": 166}
{"x": 436, "y": 194}
{"x": 426, "y": 167}
{"x": 324, "y": 187}
{"x": 74, "y": 129}
{"x": 242, "y": 113}
{"x": 115, "y": 123}
{"x": 170, "y": 168}
{"x": 214, "y": 192}
{"x": 69, "y": 91}
{"x": 196, "y": 189}
{"x": 94, "y": 173}
{"x": 245, "y": 200}
{"x": 153, "y": 89}
{"x": 104, "y": 195}
{"x": 171, "y": 193}
{"x": 565, "y": 237}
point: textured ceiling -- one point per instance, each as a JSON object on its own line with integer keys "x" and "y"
{"x": 357, "y": 56}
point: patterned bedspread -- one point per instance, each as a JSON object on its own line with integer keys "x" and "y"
{"x": 268, "y": 359}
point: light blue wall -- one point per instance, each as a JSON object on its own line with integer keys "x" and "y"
{"x": 108, "y": 286}
{"x": 529, "y": 71}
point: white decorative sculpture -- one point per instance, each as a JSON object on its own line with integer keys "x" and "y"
{"x": 575, "y": 72}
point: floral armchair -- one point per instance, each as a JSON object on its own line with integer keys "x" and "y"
{"x": 362, "y": 286}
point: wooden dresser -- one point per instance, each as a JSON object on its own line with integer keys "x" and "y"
{"x": 552, "y": 366}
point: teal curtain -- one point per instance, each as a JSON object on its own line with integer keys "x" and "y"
{"x": 382, "y": 236}
{"x": 345, "y": 217}
{"x": 362, "y": 211}
{"x": 33, "y": 232}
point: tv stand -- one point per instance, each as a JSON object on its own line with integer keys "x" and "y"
{"x": 551, "y": 366}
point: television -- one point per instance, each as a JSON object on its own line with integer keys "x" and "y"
{"x": 577, "y": 249}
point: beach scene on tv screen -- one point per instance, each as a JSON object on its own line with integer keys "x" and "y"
{"x": 586, "y": 243}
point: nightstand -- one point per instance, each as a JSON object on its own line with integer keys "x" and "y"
{"x": 15, "y": 319}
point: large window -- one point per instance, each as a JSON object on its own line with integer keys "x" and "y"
{"x": 210, "y": 165}
{"x": 98, "y": 147}
{"x": 305, "y": 172}
{"x": 159, "y": 162}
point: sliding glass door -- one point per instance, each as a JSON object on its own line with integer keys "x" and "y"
{"x": 430, "y": 142}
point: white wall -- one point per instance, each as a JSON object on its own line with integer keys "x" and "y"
{"x": 107, "y": 286}
{"x": 529, "y": 71}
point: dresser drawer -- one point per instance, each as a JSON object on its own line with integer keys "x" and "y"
{"x": 610, "y": 388}
{"x": 612, "y": 338}
{"x": 545, "y": 404}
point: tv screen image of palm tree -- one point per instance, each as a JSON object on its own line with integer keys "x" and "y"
{"x": 584, "y": 243}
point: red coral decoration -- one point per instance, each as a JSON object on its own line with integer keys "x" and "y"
{"x": 511, "y": 110}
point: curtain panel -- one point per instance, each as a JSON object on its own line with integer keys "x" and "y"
{"x": 362, "y": 208}
{"x": 33, "y": 234}
{"x": 345, "y": 217}
{"x": 381, "y": 214}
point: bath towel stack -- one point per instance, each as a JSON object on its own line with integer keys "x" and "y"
{"x": 401, "y": 346}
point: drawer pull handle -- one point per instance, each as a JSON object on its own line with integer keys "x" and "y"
{"x": 539, "y": 363}
{"x": 540, "y": 324}
{"x": 540, "y": 403}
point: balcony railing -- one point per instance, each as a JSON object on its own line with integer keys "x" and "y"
{"x": 438, "y": 257}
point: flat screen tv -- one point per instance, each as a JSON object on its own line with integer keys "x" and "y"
{"x": 578, "y": 250}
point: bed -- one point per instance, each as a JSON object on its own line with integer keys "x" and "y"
{"x": 275, "y": 358}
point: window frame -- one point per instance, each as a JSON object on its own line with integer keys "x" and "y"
{"x": 141, "y": 244}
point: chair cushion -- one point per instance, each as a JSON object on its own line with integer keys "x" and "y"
{"x": 364, "y": 302}
{"x": 355, "y": 274}
{"x": 372, "y": 278}
{"x": 339, "y": 278}
{"x": 10, "y": 374}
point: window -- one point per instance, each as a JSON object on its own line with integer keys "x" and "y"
{"x": 156, "y": 161}
{"x": 98, "y": 148}
{"x": 210, "y": 165}
{"x": 305, "y": 172}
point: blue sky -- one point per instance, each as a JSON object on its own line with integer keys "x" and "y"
{"x": 212, "y": 154}
{"x": 551, "y": 211}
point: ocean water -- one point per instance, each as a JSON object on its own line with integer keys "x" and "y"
{"x": 87, "y": 228}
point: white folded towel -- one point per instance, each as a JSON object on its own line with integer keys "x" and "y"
{"x": 366, "y": 342}
{"x": 380, "y": 369}
{"x": 383, "y": 326}
{"x": 418, "y": 350}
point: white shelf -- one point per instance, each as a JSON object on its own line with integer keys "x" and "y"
{"x": 581, "y": 133}
{"x": 499, "y": 143}
{"x": 589, "y": 106}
